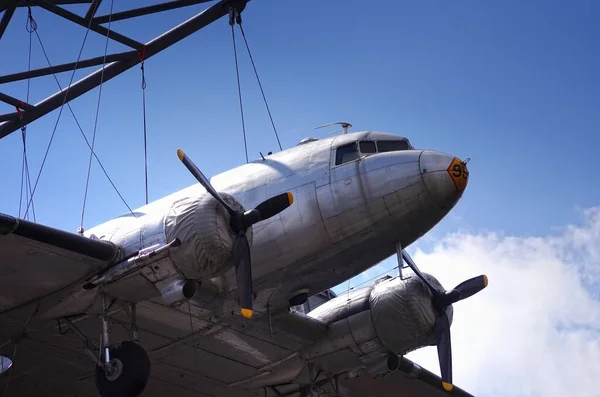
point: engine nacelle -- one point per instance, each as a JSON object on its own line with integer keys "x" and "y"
{"x": 403, "y": 315}
{"x": 396, "y": 313}
{"x": 375, "y": 324}
{"x": 202, "y": 226}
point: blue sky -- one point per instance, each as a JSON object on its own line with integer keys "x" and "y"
{"x": 513, "y": 85}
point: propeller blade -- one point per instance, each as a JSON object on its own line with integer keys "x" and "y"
{"x": 444, "y": 348}
{"x": 415, "y": 269}
{"x": 243, "y": 273}
{"x": 239, "y": 223}
{"x": 442, "y": 324}
{"x": 274, "y": 205}
{"x": 471, "y": 286}
{"x": 203, "y": 180}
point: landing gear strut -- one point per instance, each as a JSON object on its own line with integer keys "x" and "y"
{"x": 127, "y": 372}
{"x": 125, "y": 367}
{"x": 122, "y": 369}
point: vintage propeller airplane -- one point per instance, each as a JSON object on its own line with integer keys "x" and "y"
{"x": 261, "y": 237}
{"x": 223, "y": 288}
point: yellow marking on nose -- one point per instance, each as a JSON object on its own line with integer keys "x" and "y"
{"x": 459, "y": 173}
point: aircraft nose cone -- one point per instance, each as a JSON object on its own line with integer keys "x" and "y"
{"x": 445, "y": 176}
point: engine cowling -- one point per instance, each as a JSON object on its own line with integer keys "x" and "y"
{"x": 202, "y": 226}
{"x": 397, "y": 313}
{"x": 403, "y": 315}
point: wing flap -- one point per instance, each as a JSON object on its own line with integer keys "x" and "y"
{"x": 37, "y": 260}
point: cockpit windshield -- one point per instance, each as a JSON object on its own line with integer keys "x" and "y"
{"x": 352, "y": 151}
{"x": 367, "y": 147}
{"x": 392, "y": 146}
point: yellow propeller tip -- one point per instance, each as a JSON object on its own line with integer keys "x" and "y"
{"x": 447, "y": 386}
{"x": 290, "y": 197}
{"x": 485, "y": 280}
{"x": 247, "y": 313}
{"x": 180, "y": 154}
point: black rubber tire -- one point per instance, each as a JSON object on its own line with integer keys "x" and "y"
{"x": 134, "y": 375}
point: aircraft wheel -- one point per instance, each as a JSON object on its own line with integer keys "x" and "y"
{"x": 130, "y": 369}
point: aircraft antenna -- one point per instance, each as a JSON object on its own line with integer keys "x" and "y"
{"x": 345, "y": 126}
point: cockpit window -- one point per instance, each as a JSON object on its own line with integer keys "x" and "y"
{"x": 392, "y": 146}
{"x": 350, "y": 152}
{"x": 346, "y": 153}
{"x": 367, "y": 147}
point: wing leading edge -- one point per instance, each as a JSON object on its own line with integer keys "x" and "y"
{"x": 37, "y": 260}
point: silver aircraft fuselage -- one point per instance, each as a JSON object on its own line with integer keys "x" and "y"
{"x": 349, "y": 210}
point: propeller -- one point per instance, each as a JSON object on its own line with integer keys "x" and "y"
{"x": 441, "y": 300}
{"x": 239, "y": 223}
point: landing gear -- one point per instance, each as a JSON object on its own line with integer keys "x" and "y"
{"x": 125, "y": 367}
{"x": 127, "y": 372}
{"x": 122, "y": 369}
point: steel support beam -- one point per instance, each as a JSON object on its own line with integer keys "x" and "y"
{"x": 171, "y": 5}
{"x": 9, "y": 117}
{"x": 92, "y": 10}
{"x": 113, "y": 69}
{"x": 15, "y": 102}
{"x": 24, "y": 3}
{"x": 11, "y": 6}
{"x": 67, "y": 67}
{"x": 93, "y": 26}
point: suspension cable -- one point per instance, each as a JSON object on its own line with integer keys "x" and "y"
{"x": 37, "y": 180}
{"x": 96, "y": 118}
{"x": 21, "y": 189}
{"x": 25, "y": 178}
{"x": 233, "y": 14}
{"x": 81, "y": 130}
{"x": 142, "y": 53}
{"x": 239, "y": 22}
{"x": 30, "y": 27}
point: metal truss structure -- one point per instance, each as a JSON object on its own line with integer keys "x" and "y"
{"x": 114, "y": 64}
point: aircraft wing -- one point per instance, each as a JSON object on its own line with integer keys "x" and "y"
{"x": 193, "y": 351}
{"x": 37, "y": 260}
{"x": 409, "y": 380}
{"x": 212, "y": 360}
{"x": 217, "y": 359}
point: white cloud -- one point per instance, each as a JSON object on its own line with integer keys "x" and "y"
{"x": 535, "y": 331}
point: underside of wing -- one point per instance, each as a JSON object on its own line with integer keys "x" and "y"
{"x": 409, "y": 380}
{"x": 37, "y": 260}
{"x": 195, "y": 352}
{"x": 191, "y": 351}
